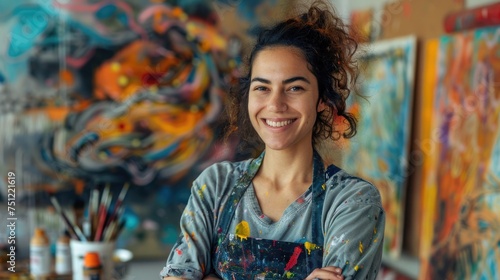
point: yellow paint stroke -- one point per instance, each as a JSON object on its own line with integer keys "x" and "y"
{"x": 289, "y": 274}
{"x": 200, "y": 191}
{"x": 361, "y": 247}
{"x": 374, "y": 230}
{"x": 323, "y": 186}
{"x": 243, "y": 230}
{"x": 310, "y": 246}
{"x": 356, "y": 268}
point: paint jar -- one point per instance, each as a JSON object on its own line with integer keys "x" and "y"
{"x": 40, "y": 258}
{"x": 63, "y": 255}
{"x": 92, "y": 267}
{"x": 103, "y": 249}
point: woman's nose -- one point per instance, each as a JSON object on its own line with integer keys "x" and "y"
{"x": 277, "y": 102}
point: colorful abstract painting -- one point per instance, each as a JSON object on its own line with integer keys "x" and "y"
{"x": 461, "y": 193}
{"x": 96, "y": 93}
{"x": 383, "y": 106}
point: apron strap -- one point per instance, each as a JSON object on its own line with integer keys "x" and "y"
{"x": 226, "y": 213}
{"x": 318, "y": 197}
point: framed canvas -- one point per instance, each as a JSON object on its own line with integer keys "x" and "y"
{"x": 461, "y": 206}
{"x": 383, "y": 105}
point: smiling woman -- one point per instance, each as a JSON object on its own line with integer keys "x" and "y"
{"x": 283, "y": 99}
{"x": 285, "y": 214}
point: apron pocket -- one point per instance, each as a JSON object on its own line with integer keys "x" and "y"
{"x": 254, "y": 258}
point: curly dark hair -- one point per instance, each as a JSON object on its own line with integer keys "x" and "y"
{"x": 329, "y": 48}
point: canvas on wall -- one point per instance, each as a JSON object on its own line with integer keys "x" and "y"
{"x": 461, "y": 221}
{"x": 383, "y": 106}
{"x": 107, "y": 92}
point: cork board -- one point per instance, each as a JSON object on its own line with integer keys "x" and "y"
{"x": 423, "y": 18}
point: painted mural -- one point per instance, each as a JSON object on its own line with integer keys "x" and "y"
{"x": 383, "y": 106}
{"x": 461, "y": 206}
{"x": 96, "y": 93}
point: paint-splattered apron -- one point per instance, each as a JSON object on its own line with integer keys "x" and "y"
{"x": 241, "y": 257}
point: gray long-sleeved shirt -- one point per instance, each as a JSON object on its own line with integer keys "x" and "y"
{"x": 353, "y": 222}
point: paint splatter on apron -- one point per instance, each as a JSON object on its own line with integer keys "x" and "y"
{"x": 242, "y": 257}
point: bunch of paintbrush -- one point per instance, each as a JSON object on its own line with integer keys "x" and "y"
{"x": 103, "y": 223}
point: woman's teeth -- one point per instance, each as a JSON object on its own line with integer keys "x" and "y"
{"x": 278, "y": 124}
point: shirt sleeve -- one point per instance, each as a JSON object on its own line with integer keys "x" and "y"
{"x": 354, "y": 230}
{"x": 190, "y": 257}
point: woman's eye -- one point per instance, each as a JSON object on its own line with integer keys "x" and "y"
{"x": 260, "y": 88}
{"x": 296, "y": 88}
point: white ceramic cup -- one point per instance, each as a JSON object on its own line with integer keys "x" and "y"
{"x": 105, "y": 251}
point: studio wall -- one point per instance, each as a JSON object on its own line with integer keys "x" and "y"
{"x": 100, "y": 93}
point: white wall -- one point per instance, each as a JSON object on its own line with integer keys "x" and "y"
{"x": 474, "y": 3}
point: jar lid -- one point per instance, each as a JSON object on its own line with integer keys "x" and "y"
{"x": 39, "y": 232}
{"x": 91, "y": 259}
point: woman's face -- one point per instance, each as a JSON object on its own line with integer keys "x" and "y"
{"x": 283, "y": 98}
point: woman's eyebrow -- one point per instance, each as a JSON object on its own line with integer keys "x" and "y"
{"x": 262, "y": 80}
{"x": 287, "y": 81}
{"x": 298, "y": 78}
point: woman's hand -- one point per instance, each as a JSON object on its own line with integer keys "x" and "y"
{"x": 326, "y": 273}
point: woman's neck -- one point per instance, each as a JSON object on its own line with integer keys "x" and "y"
{"x": 287, "y": 168}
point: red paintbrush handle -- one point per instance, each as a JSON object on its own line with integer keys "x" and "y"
{"x": 101, "y": 222}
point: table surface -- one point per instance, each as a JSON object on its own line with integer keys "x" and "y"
{"x": 145, "y": 270}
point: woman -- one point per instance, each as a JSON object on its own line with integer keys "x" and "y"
{"x": 284, "y": 215}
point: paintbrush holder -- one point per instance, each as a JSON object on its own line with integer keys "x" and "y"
{"x": 105, "y": 251}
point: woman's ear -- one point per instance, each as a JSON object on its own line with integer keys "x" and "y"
{"x": 321, "y": 106}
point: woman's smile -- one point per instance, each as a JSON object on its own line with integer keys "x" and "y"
{"x": 278, "y": 123}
